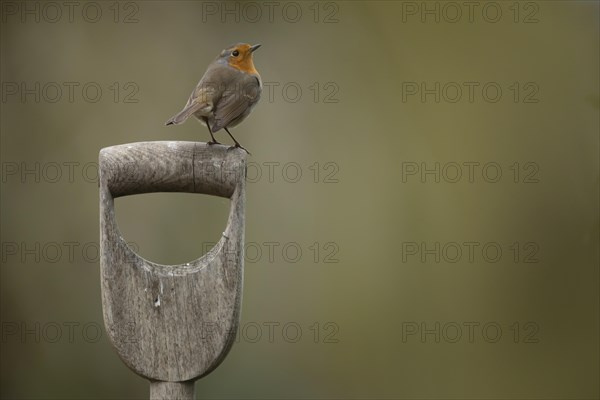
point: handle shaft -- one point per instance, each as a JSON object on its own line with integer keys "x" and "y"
{"x": 171, "y": 390}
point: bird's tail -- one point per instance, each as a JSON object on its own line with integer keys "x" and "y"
{"x": 184, "y": 114}
{"x": 179, "y": 118}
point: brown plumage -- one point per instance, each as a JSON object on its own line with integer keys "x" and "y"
{"x": 226, "y": 94}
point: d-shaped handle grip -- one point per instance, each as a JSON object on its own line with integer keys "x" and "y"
{"x": 172, "y": 323}
{"x": 190, "y": 167}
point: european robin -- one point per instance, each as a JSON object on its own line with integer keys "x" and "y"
{"x": 226, "y": 94}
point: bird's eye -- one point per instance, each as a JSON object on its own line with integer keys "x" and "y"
{"x": 235, "y": 53}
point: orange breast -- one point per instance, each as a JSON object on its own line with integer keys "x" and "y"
{"x": 245, "y": 65}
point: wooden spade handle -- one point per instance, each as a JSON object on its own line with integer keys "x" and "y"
{"x": 172, "y": 324}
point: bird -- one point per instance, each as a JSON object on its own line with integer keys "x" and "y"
{"x": 226, "y": 94}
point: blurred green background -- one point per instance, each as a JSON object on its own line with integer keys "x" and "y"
{"x": 374, "y": 304}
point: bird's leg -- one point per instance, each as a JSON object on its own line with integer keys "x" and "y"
{"x": 213, "y": 141}
{"x": 236, "y": 142}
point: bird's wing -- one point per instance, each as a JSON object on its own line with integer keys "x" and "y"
{"x": 200, "y": 100}
{"x": 235, "y": 101}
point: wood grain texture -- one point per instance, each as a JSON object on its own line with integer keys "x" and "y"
{"x": 172, "y": 323}
{"x": 171, "y": 390}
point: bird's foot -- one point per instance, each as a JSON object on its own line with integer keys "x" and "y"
{"x": 239, "y": 146}
{"x": 211, "y": 142}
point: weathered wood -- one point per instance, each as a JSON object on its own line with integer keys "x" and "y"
{"x": 172, "y": 323}
{"x": 171, "y": 390}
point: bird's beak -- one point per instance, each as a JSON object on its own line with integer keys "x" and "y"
{"x": 254, "y": 48}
